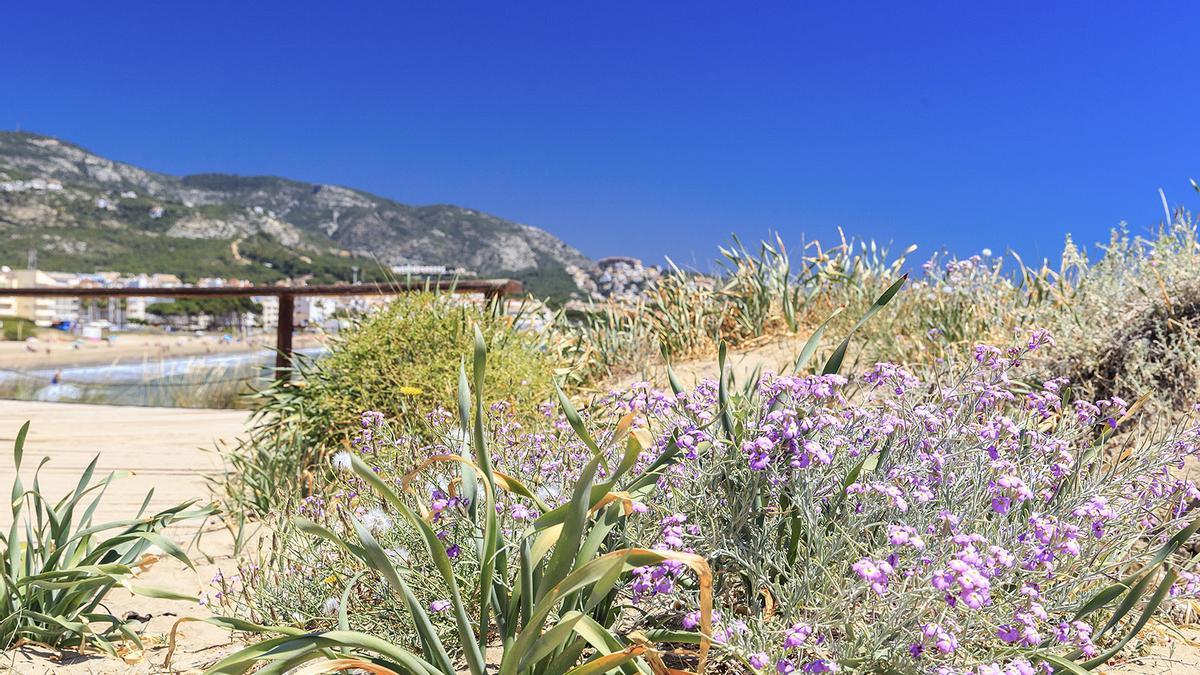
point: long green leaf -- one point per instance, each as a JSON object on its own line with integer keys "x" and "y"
{"x": 562, "y": 560}
{"x": 437, "y": 551}
{"x": 491, "y": 554}
{"x": 834, "y": 364}
{"x": 723, "y": 394}
{"x": 814, "y": 340}
{"x": 552, "y": 640}
{"x": 243, "y": 660}
{"x": 19, "y": 445}
{"x": 1151, "y": 607}
{"x": 379, "y": 561}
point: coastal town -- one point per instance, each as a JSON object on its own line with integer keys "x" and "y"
{"x": 618, "y": 277}
{"x": 75, "y": 313}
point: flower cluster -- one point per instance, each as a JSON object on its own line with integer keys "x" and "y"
{"x": 945, "y": 521}
{"x": 951, "y": 505}
{"x": 652, "y": 580}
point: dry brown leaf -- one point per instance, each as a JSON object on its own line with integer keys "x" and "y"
{"x": 338, "y": 665}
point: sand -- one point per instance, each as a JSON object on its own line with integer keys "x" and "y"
{"x": 775, "y": 354}
{"x": 166, "y": 449}
{"x": 170, "y": 450}
{"x": 131, "y": 348}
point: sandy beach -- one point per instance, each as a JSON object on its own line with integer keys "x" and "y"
{"x": 60, "y": 350}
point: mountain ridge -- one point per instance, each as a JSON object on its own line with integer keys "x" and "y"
{"x": 79, "y": 208}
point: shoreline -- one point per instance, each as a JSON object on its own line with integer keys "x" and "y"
{"x": 134, "y": 348}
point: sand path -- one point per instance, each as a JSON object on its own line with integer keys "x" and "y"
{"x": 168, "y": 450}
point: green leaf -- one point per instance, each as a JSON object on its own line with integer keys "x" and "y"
{"x": 160, "y": 593}
{"x": 604, "y": 642}
{"x": 436, "y": 551}
{"x": 723, "y": 395}
{"x": 603, "y": 664}
{"x": 469, "y": 479}
{"x": 673, "y": 380}
{"x": 1062, "y": 665}
{"x": 344, "y": 603}
{"x": 1100, "y": 599}
{"x": 490, "y": 554}
{"x": 379, "y": 561}
{"x": 19, "y": 445}
{"x": 814, "y": 340}
{"x": 562, "y": 560}
{"x": 834, "y": 364}
{"x": 575, "y": 420}
{"x": 291, "y": 645}
{"x": 1151, "y": 607}
{"x": 552, "y": 640}
{"x": 588, "y": 573}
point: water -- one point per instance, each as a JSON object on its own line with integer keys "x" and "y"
{"x": 211, "y": 380}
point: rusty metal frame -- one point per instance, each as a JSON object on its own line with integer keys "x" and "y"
{"x": 490, "y": 288}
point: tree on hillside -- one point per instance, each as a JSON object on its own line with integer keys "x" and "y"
{"x": 223, "y": 312}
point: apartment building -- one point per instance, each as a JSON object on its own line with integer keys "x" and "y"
{"x": 270, "y": 309}
{"x": 42, "y": 311}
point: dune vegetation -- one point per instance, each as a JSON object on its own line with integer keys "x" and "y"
{"x": 970, "y": 465}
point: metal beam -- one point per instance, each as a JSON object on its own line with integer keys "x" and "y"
{"x": 489, "y": 287}
{"x": 283, "y": 336}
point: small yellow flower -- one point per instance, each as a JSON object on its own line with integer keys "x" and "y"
{"x": 411, "y": 391}
{"x": 330, "y": 580}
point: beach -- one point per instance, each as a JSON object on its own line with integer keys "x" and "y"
{"x": 57, "y": 350}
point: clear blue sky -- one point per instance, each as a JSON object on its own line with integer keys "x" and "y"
{"x": 649, "y": 128}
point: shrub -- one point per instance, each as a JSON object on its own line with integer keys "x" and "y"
{"x": 406, "y": 357}
{"x": 968, "y": 510}
{"x": 57, "y": 565}
{"x": 1127, "y": 324}
{"x": 902, "y": 526}
{"x": 1130, "y": 323}
{"x": 12, "y": 328}
{"x": 397, "y": 361}
{"x": 755, "y": 295}
{"x": 542, "y": 581}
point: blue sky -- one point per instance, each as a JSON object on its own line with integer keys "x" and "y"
{"x": 649, "y": 128}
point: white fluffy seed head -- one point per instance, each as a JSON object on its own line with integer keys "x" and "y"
{"x": 376, "y": 521}
{"x": 341, "y": 461}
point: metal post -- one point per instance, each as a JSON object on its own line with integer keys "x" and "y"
{"x": 283, "y": 336}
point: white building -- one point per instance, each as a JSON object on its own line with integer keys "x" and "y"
{"x": 429, "y": 270}
{"x": 135, "y": 309}
{"x": 42, "y": 311}
{"x": 315, "y": 311}
{"x": 270, "y": 309}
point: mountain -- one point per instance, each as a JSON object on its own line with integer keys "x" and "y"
{"x": 82, "y": 212}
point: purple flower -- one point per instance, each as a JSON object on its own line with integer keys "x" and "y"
{"x": 874, "y": 571}
{"x": 797, "y": 636}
